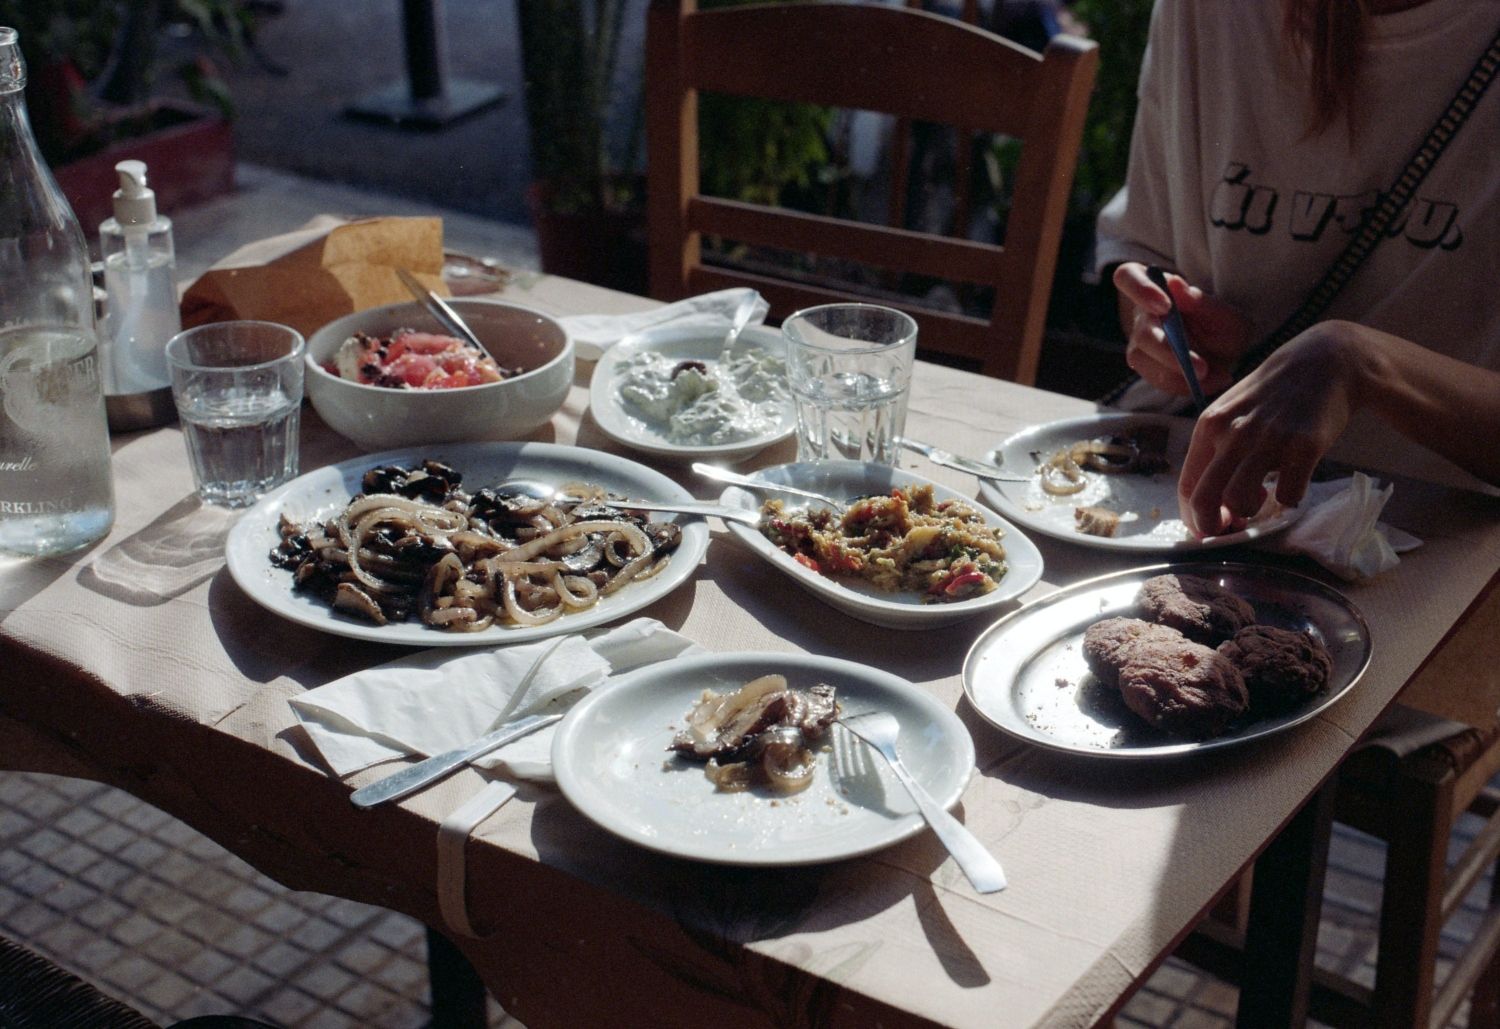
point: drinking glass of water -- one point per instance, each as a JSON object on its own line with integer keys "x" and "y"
{"x": 238, "y": 389}
{"x": 849, "y": 370}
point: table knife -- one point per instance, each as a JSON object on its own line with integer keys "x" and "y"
{"x": 982, "y": 469}
{"x": 414, "y": 777}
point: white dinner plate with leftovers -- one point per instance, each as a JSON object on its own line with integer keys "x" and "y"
{"x": 1027, "y": 676}
{"x": 1109, "y": 481}
{"x": 948, "y": 558}
{"x": 612, "y": 760}
{"x": 319, "y": 495}
{"x": 665, "y": 392}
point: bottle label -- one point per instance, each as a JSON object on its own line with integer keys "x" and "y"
{"x": 54, "y": 447}
{"x": 26, "y": 464}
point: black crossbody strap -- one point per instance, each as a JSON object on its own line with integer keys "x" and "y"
{"x": 1374, "y": 227}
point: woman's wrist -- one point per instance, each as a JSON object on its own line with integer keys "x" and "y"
{"x": 1354, "y": 360}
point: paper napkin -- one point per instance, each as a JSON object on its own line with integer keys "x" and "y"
{"x": 594, "y": 333}
{"x": 441, "y": 699}
{"x": 1341, "y": 530}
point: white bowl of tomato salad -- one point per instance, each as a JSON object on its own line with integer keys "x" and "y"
{"x": 391, "y": 377}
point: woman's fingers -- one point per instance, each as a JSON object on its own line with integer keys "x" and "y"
{"x": 1131, "y": 281}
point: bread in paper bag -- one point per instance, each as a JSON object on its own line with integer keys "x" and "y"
{"x": 320, "y": 272}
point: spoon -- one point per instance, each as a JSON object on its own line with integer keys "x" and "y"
{"x": 741, "y": 319}
{"x": 1177, "y": 337}
{"x": 440, "y": 310}
{"x": 713, "y": 471}
{"x": 979, "y": 469}
{"x": 538, "y": 490}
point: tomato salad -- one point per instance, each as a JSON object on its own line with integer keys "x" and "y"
{"x": 408, "y": 359}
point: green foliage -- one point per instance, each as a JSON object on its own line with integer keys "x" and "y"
{"x": 93, "y": 64}
{"x": 758, "y": 150}
{"x": 569, "y": 52}
{"x": 753, "y": 150}
{"x": 1120, "y": 27}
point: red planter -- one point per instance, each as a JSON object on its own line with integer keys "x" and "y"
{"x": 605, "y": 248}
{"x": 189, "y": 159}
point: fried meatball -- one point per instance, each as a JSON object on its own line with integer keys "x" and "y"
{"x": 1281, "y": 668}
{"x": 1181, "y": 687}
{"x": 1201, "y": 610}
{"x": 1104, "y": 640}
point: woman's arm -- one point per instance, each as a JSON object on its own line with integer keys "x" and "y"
{"x": 1285, "y": 415}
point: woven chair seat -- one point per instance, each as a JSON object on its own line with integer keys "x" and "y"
{"x": 37, "y": 994}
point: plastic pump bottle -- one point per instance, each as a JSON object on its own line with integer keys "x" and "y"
{"x": 140, "y": 283}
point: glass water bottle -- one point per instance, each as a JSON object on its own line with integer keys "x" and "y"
{"x": 55, "y": 489}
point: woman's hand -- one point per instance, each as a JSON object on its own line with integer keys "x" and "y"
{"x": 1218, "y": 333}
{"x": 1281, "y": 418}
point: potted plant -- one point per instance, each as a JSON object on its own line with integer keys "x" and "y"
{"x": 586, "y": 196}
{"x": 92, "y": 94}
{"x": 584, "y": 109}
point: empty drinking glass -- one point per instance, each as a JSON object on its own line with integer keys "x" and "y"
{"x": 849, "y": 370}
{"x": 238, "y": 390}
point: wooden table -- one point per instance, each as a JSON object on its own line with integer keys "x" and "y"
{"x": 140, "y": 664}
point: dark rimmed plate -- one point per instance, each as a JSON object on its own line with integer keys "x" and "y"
{"x": 1026, "y": 675}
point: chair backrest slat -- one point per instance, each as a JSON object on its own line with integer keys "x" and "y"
{"x": 891, "y": 59}
{"x": 919, "y": 253}
{"x": 963, "y": 335}
{"x": 864, "y": 56}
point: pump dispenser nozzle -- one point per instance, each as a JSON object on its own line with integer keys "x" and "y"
{"x": 135, "y": 202}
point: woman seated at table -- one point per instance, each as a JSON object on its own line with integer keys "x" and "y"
{"x": 1265, "y": 133}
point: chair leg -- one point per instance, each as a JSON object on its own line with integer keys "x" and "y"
{"x": 459, "y": 999}
{"x": 1411, "y": 907}
{"x": 1484, "y": 1004}
{"x": 1281, "y": 936}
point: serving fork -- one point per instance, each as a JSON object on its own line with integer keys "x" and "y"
{"x": 879, "y": 729}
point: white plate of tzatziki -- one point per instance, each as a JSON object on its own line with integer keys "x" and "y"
{"x": 669, "y": 392}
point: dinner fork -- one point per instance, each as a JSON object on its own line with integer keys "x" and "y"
{"x": 879, "y": 729}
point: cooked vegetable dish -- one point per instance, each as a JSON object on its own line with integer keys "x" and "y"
{"x": 759, "y": 735}
{"x": 415, "y": 543}
{"x": 908, "y": 541}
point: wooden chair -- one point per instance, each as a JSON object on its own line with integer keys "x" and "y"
{"x": 893, "y": 60}
{"x": 35, "y": 993}
{"x": 1409, "y": 791}
{"x": 1428, "y": 763}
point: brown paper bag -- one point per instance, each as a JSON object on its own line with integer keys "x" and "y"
{"x": 327, "y": 269}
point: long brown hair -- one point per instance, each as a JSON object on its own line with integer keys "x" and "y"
{"x": 1329, "y": 35}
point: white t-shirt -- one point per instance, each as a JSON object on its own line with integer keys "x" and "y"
{"x": 1227, "y": 186}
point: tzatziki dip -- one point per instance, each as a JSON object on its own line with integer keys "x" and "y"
{"x": 704, "y": 403}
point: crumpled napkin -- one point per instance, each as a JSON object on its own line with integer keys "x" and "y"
{"x": 1341, "y": 530}
{"x": 440, "y": 699}
{"x": 594, "y": 333}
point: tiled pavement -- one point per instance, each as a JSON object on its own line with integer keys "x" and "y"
{"x": 161, "y": 917}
